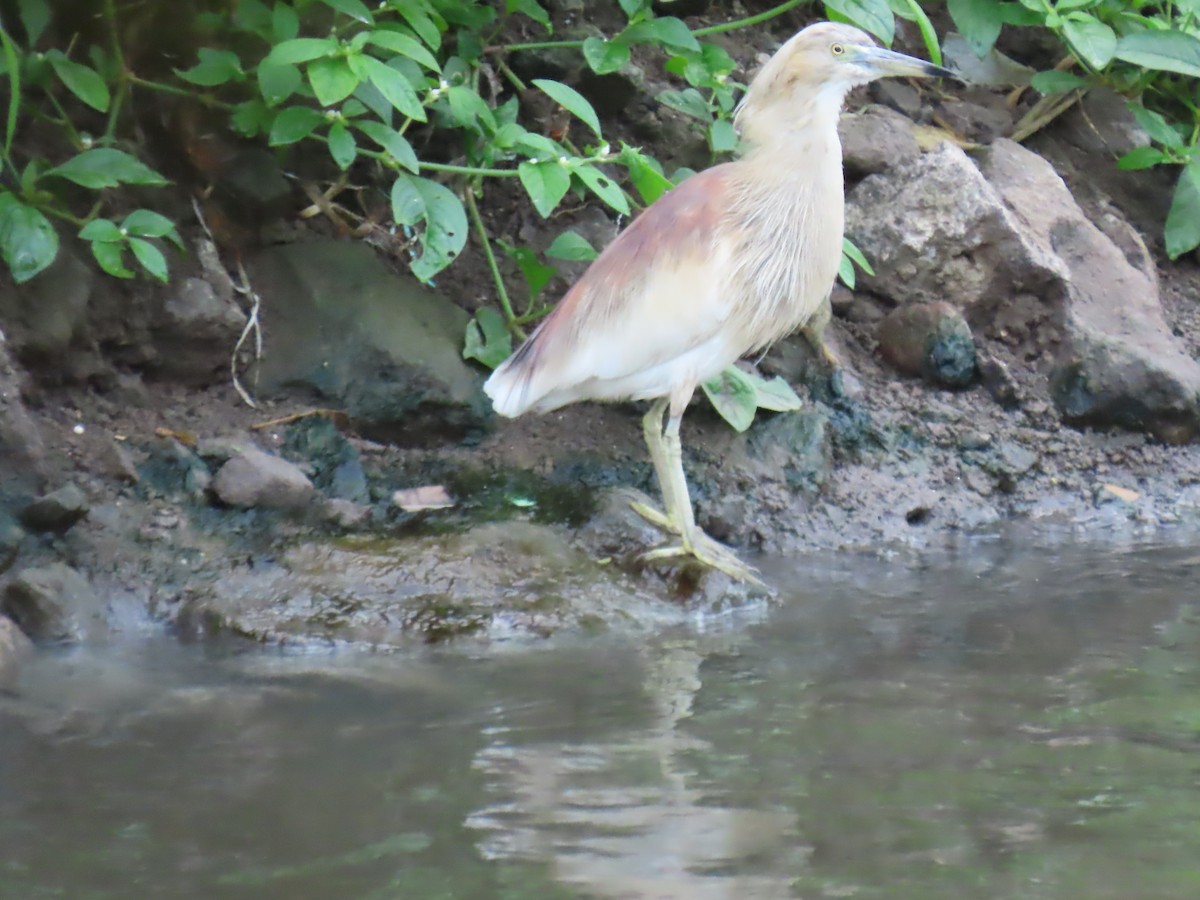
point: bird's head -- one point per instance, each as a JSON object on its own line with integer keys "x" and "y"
{"x": 818, "y": 66}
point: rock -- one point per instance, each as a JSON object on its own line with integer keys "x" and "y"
{"x": 196, "y": 332}
{"x": 379, "y": 346}
{"x": 15, "y": 648}
{"x": 254, "y": 479}
{"x": 798, "y": 444}
{"x": 53, "y": 604}
{"x": 934, "y": 229}
{"x": 930, "y": 340}
{"x": 334, "y": 462}
{"x": 44, "y": 316}
{"x": 114, "y": 459}
{"x": 346, "y": 514}
{"x": 999, "y": 382}
{"x": 56, "y": 511}
{"x": 22, "y": 451}
{"x": 1007, "y": 243}
{"x": 874, "y": 140}
{"x": 1119, "y": 363}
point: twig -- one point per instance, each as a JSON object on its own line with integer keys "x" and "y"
{"x": 253, "y": 324}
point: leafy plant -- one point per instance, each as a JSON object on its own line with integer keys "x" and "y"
{"x": 33, "y": 190}
{"x": 1150, "y": 52}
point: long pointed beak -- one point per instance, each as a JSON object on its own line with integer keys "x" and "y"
{"x": 889, "y": 62}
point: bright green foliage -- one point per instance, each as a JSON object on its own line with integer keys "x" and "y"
{"x": 1149, "y": 52}
{"x": 737, "y": 394}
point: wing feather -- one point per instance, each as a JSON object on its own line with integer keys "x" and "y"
{"x": 657, "y": 293}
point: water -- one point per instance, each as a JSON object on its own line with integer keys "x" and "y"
{"x": 1012, "y": 720}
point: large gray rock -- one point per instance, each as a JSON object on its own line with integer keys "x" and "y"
{"x": 53, "y": 604}
{"x": 44, "y": 316}
{"x": 387, "y": 351}
{"x": 874, "y": 140}
{"x": 196, "y": 330}
{"x": 1006, "y": 241}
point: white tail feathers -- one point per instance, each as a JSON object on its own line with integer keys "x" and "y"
{"x": 508, "y": 388}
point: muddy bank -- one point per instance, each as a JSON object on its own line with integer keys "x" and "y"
{"x": 1023, "y": 352}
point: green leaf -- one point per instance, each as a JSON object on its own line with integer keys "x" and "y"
{"x": 80, "y": 80}
{"x": 105, "y": 168}
{"x": 28, "y": 242}
{"x": 487, "y": 339}
{"x": 648, "y": 181}
{"x": 109, "y": 256}
{"x": 722, "y": 138}
{"x": 1056, "y": 82}
{"x": 277, "y": 82}
{"x": 300, "y": 50}
{"x": 846, "y": 271}
{"x": 1141, "y": 158}
{"x": 251, "y": 118}
{"x": 294, "y": 124}
{"x": 546, "y": 183}
{"x": 672, "y": 32}
{"x": 603, "y": 56}
{"x": 1160, "y": 130}
{"x": 571, "y": 100}
{"x": 874, "y": 16}
{"x": 214, "y": 68}
{"x": 422, "y": 23}
{"x": 1092, "y": 40}
{"x": 604, "y": 188}
{"x": 856, "y": 256}
{"x": 151, "y": 258}
{"x": 537, "y": 273}
{"x": 445, "y": 234}
{"x": 342, "y": 146}
{"x": 978, "y": 21}
{"x": 571, "y": 246}
{"x": 1163, "y": 51}
{"x": 734, "y": 396}
{"x": 332, "y": 80}
{"x": 530, "y": 8}
{"x": 403, "y": 45}
{"x": 395, "y": 87}
{"x": 104, "y": 230}
{"x": 774, "y": 394}
{"x": 285, "y": 24}
{"x": 35, "y": 16}
{"x": 689, "y": 101}
{"x": 392, "y": 141}
{"x": 147, "y": 223}
{"x": 13, "y": 66}
{"x": 468, "y": 108}
{"x": 355, "y": 9}
{"x": 1182, "y": 231}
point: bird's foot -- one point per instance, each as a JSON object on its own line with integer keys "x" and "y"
{"x": 711, "y": 553}
{"x": 656, "y": 518}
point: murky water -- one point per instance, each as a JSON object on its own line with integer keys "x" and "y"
{"x": 1012, "y": 720}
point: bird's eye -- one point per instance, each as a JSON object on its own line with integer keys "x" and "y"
{"x": 837, "y": 49}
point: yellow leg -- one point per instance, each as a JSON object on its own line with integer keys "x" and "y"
{"x": 666, "y": 452}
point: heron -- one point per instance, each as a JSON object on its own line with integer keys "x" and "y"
{"x": 721, "y": 266}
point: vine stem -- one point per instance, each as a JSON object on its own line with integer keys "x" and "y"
{"x": 123, "y": 74}
{"x": 481, "y": 230}
{"x": 736, "y": 24}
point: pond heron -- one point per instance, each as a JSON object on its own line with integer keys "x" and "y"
{"x": 728, "y": 262}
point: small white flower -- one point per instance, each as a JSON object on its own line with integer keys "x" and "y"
{"x": 562, "y": 161}
{"x": 79, "y": 429}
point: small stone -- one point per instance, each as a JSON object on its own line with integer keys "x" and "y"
{"x": 430, "y": 496}
{"x": 15, "y": 648}
{"x": 998, "y": 381}
{"x": 1114, "y": 493}
{"x": 56, "y": 511}
{"x": 979, "y": 482}
{"x": 975, "y": 440}
{"x": 257, "y": 479}
{"x": 347, "y": 514}
{"x": 114, "y": 459}
{"x": 931, "y": 340}
{"x": 52, "y": 604}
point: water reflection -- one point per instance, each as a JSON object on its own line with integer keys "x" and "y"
{"x": 1015, "y": 719}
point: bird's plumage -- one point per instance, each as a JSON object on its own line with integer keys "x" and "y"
{"x": 722, "y": 265}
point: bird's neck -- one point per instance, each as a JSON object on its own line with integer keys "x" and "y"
{"x": 796, "y": 141}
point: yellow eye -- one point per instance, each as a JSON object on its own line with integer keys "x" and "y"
{"x": 837, "y": 49}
